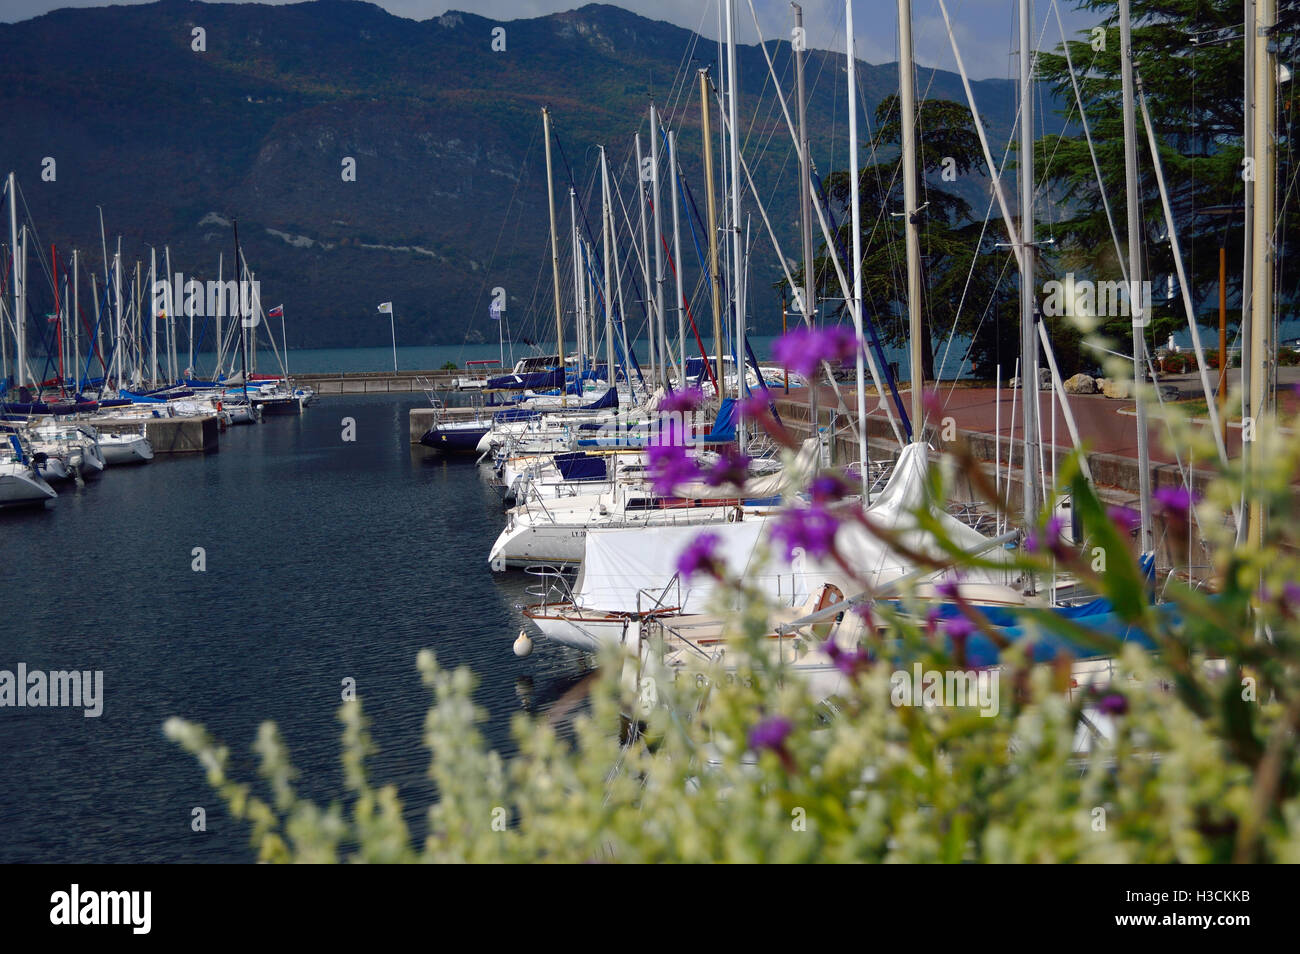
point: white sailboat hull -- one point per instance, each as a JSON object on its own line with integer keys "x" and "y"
{"x": 20, "y": 487}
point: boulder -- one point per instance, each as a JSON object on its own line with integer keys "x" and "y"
{"x": 1081, "y": 384}
{"x": 1119, "y": 390}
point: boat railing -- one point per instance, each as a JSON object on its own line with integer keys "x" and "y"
{"x": 653, "y": 602}
{"x": 552, "y": 586}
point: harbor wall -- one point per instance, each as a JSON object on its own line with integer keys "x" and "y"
{"x": 170, "y": 435}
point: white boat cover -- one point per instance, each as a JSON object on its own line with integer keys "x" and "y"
{"x": 907, "y": 493}
{"x": 619, "y": 564}
{"x": 790, "y": 479}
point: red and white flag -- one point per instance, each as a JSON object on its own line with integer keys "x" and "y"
{"x": 276, "y": 312}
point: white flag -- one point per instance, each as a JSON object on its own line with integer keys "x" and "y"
{"x": 386, "y": 308}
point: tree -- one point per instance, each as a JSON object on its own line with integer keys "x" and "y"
{"x": 1188, "y": 55}
{"x": 964, "y": 274}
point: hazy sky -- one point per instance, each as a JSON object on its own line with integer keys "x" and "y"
{"x": 985, "y": 29}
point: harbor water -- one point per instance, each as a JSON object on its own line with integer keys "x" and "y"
{"x": 323, "y": 561}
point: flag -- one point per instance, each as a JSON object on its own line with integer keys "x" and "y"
{"x": 494, "y": 310}
{"x": 386, "y": 308}
{"x": 276, "y": 312}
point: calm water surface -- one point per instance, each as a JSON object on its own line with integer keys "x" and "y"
{"x": 326, "y": 561}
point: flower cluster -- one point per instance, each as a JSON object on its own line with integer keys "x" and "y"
{"x": 803, "y": 349}
{"x": 700, "y": 557}
{"x": 811, "y": 529}
{"x": 670, "y": 466}
{"x": 682, "y": 402}
{"x": 756, "y": 405}
{"x": 732, "y": 467}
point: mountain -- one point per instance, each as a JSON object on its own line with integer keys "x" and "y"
{"x": 449, "y": 195}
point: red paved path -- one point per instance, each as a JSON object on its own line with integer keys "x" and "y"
{"x": 1103, "y": 427}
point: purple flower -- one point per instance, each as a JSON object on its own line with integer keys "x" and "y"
{"x": 669, "y": 466}
{"x": 811, "y": 529}
{"x": 1291, "y": 594}
{"x": 959, "y": 629}
{"x": 682, "y": 402}
{"x": 846, "y": 662}
{"x": 932, "y": 403}
{"x": 1125, "y": 518}
{"x": 700, "y": 557}
{"x": 1050, "y": 540}
{"x": 1113, "y": 704}
{"x": 732, "y": 468}
{"x": 771, "y": 733}
{"x": 1174, "y": 501}
{"x": 827, "y": 489}
{"x": 947, "y": 588}
{"x": 756, "y": 405}
{"x": 803, "y": 349}
{"x": 933, "y": 617}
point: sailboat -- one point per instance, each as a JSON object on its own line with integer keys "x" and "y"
{"x": 20, "y": 484}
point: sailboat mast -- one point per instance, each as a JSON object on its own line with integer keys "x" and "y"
{"x": 173, "y": 364}
{"x": 555, "y": 259}
{"x": 76, "y": 328}
{"x": 221, "y": 312}
{"x": 737, "y": 269}
{"x": 58, "y": 309}
{"x": 677, "y": 257}
{"x": 645, "y": 261}
{"x": 809, "y": 296}
{"x": 1028, "y": 339}
{"x": 153, "y": 318}
{"x": 907, "y": 117}
{"x": 21, "y": 314}
{"x": 19, "y": 331}
{"x": 577, "y": 278}
{"x": 1261, "y": 308}
{"x": 855, "y": 307}
{"x": 239, "y": 309}
{"x": 609, "y": 301}
{"x": 1137, "y": 303}
{"x": 117, "y": 325}
{"x": 659, "y": 254}
{"x": 714, "y": 276}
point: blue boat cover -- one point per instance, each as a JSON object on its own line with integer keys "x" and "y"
{"x": 580, "y": 466}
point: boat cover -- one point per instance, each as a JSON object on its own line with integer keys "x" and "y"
{"x": 618, "y": 564}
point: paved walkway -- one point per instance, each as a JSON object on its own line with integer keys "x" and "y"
{"x": 1105, "y": 426}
